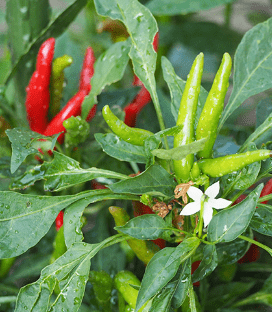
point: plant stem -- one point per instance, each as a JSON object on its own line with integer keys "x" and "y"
{"x": 269, "y": 250}
{"x": 228, "y": 11}
{"x": 200, "y": 222}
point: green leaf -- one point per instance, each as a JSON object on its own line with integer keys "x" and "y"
{"x": 252, "y": 67}
{"x": 62, "y": 172}
{"x": 25, "y": 219}
{"x": 54, "y": 29}
{"x": 177, "y": 7}
{"x": 183, "y": 285}
{"x": 25, "y": 142}
{"x": 261, "y": 221}
{"x": 229, "y": 223}
{"x": 108, "y": 68}
{"x": 71, "y": 270}
{"x": 162, "y": 301}
{"x": 263, "y": 109}
{"x": 144, "y": 227}
{"x": 153, "y": 181}
{"x": 261, "y": 135}
{"x": 117, "y": 97}
{"x": 176, "y": 86}
{"x": 231, "y": 252}
{"x": 264, "y": 296}
{"x": 142, "y": 27}
{"x": 119, "y": 149}
{"x": 180, "y": 152}
{"x": 72, "y": 222}
{"x": 163, "y": 267}
{"x": 225, "y": 294}
{"x": 26, "y": 20}
{"x": 208, "y": 264}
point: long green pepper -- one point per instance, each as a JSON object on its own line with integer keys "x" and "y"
{"x": 220, "y": 166}
{"x": 186, "y": 118}
{"x": 134, "y": 136}
{"x": 212, "y": 110}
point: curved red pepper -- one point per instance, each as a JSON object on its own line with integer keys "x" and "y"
{"x": 141, "y": 99}
{"x": 87, "y": 70}
{"x": 38, "y": 95}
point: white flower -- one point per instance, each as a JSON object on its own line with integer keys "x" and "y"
{"x": 209, "y": 199}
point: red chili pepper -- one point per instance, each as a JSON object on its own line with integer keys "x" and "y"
{"x": 195, "y": 265}
{"x": 252, "y": 255}
{"x": 38, "y": 95}
{"x": 59, "y": 220}
{"x": 141, "y": 99}
{"x": 266, "y": 190}
{"x": 253, "y": 252}
{"x": 140, "y": 209}
{"x": 73, "y": 107}
{"x": 87, "y": 70}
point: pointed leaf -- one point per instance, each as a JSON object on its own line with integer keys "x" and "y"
{"x": 119, "y": 149}
{"x": 252, "y": 67}
{"x": 108, "y": 68}
{"x": 261, "y": 221}
{"x": 25, "y": 219}
{"x": 177, "y": 7}
{"x": 207, "y": 265}
{"x": 183, "y": 285}
{"x": 62, "y": 172}
{"x": 144, "y": 227}
{"x": 163, "y": 267}
{"x": 25, "y": 142}
{"x": 142, "y": 27}
{"x": 153, "y": 181}
{"x": 180, "y": 152}
{"x": 229, "y": 223}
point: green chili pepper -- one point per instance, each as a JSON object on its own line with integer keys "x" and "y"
{"x": 102, "y": 285}
{"x": 211, "y": 113}
{"x": 134, "y": 136}
{"x": 220, "y": 166}
{"x": 195, "y": 172}
{"x": 144, "y": 250}
{"x": 57, "y": 79}
{"x": 122, "y": 282}
{"x": 186, "y": 117}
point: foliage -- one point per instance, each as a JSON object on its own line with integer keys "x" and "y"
{"x": 189, "y": 267}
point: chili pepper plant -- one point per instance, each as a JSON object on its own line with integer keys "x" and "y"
{"x": 139, "y": 196}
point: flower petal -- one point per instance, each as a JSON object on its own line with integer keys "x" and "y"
{"x": 219, "y": 203}
{"x": 213, "y": 190}
{"x": 190, "y": 209}
{"x": 208, "y": 214}
{"x": 194, "y": 193}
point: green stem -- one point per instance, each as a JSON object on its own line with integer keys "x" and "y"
{"x": 265, "y": 198}
{"x": 159, "y": 115}
{"x": 228, "y": 11}
{"x": 191, "y": 294}
{"x": 8, "y": 299}
{"x": 200, "y": 222}
{"x": 252, "y": 241}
